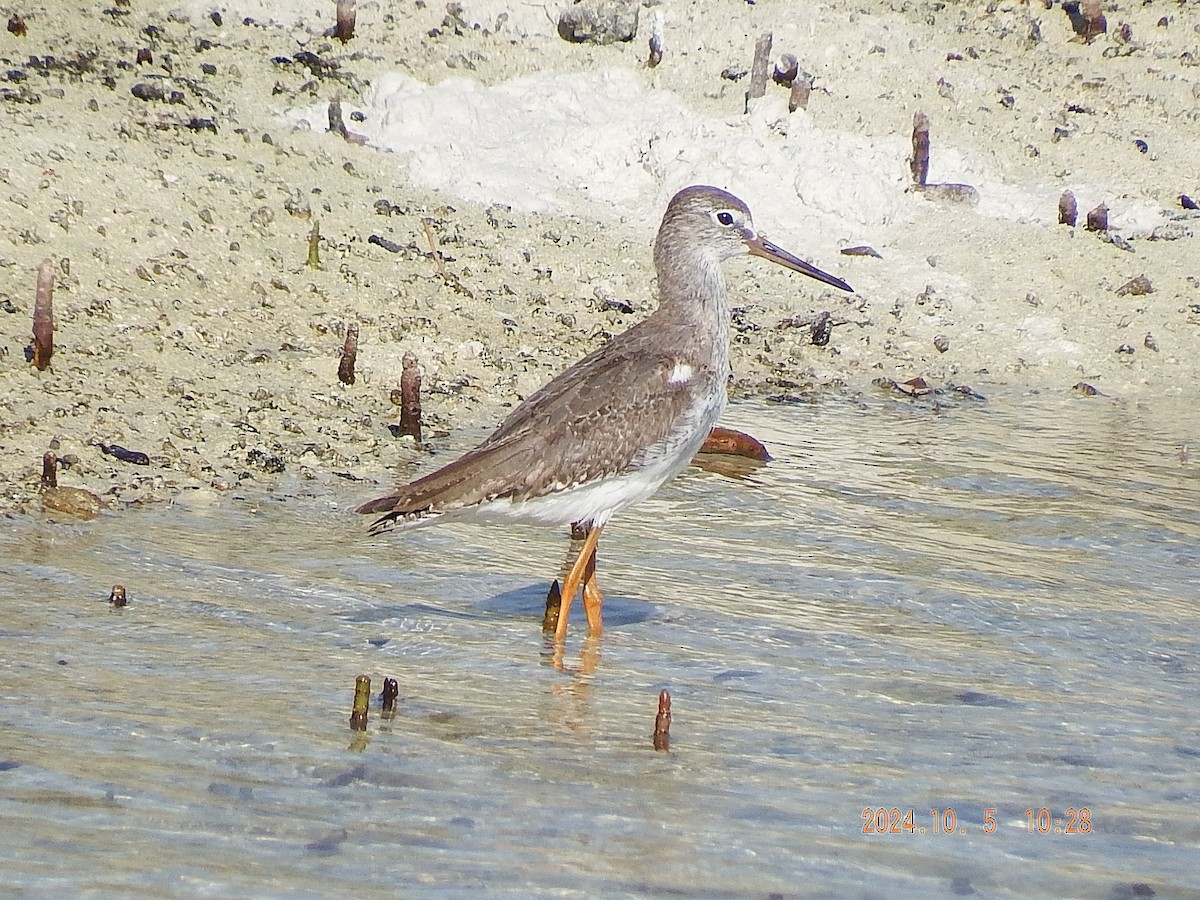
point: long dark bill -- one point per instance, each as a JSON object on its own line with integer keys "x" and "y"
{"x": 760, "y": 246}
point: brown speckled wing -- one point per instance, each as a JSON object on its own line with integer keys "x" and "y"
{"x": 589, "y": 422}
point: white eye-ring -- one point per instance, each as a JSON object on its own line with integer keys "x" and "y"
{"x": 725, "y": 217}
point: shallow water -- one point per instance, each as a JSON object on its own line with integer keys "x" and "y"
{"x": 967, "y": 606}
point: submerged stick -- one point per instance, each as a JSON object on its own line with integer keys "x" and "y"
{"x": 1068, "y": 210}
{"x": 662, "y": 722}
{"x": 656, "y": 39}
{"x": 920, "y": 142}
{"x": 391, "y": 690}
{"x": 49, "y": 470}
{"x": 919, "y": 164}
{"x": 349, "y": 355}
{"x": 43, "y": 315}
{"x": 801, "y": 89}
{"x": 346, "y": 14}
{"x": 69, "y": 500}
{"x": 314, "y": 245}
{"x": 337, "y": 125}
{"x": 410, "y": 397}
{"x": 758, "y": 69}
{"x": 362, "y": 701}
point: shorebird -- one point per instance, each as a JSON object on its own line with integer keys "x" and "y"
{"x": 611, "y": 429}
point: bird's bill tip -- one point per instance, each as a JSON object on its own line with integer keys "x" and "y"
{"x": 760, "y": 246}
{"x": 378, "y": 505}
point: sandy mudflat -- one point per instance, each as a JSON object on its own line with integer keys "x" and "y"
{"x": 189, "y": 326}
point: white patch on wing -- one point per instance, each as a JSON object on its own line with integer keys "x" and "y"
{"x": 681, "y": 374}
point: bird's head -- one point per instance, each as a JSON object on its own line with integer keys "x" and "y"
{"x": 706, "y": 219}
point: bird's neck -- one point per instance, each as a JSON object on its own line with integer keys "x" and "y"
{"x": 692, "y": 289}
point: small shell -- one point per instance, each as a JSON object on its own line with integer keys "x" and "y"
{"x": 1136, "y": 287}
{"x": 786, "y": 70}
{"x": 861, "y": 251}
{"x": 1097, "y": 219}
{"x": 951, "y": 193}
{"x": 73, "y": 501}
{"x": 735, "y": 443}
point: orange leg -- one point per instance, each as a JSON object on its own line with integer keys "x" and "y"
{"x": 577, "y": 575}
{"x": 592, "y": 598}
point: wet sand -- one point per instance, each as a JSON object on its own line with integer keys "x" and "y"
{"x": 176, "y": 200}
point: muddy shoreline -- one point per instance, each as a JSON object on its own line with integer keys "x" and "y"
{"x": 149, "y": 154}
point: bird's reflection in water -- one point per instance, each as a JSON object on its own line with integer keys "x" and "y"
{"x": 738, "y": 468}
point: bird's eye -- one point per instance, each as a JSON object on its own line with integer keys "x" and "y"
{"x": 725, "y": 218}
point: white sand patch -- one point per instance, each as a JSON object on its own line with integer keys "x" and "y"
{"x": 608, "y": 143}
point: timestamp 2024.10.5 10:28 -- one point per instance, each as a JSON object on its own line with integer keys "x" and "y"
{"x": 882, "y": 820}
